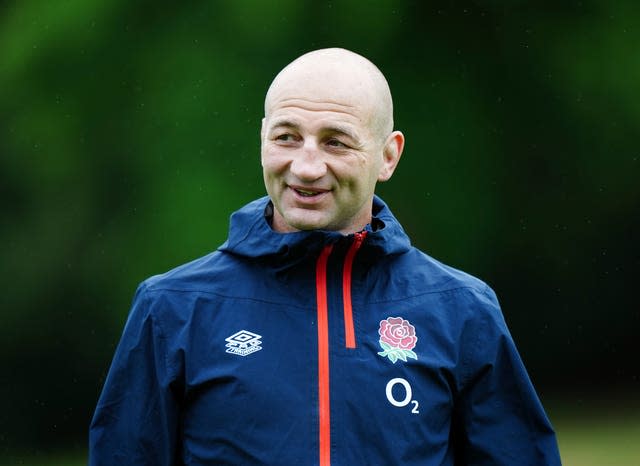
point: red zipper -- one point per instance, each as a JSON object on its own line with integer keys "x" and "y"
{"x": 324, "y": 408}
{"x": 349, "y": 332}
{"x": 323, "y": 358}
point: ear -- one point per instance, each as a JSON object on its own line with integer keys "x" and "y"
{"x": 391, "y": 153}
{"x": 262, "y": 130}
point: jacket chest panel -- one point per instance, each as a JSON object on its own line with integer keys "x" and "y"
{"x": 233, "y": 394}
{"x": 248, "y": 376}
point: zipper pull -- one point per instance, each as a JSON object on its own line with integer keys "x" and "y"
{"x": 358, "y": 238}
{"x": 349, "y": 330}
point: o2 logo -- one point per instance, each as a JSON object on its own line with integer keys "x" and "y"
{"x": 408, "y": 394}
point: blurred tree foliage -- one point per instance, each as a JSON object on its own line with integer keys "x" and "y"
{"x": 129, "y": 133}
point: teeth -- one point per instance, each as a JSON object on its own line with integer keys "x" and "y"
{"x": 306, "y": 193}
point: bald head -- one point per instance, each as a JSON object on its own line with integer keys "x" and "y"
{"x": 326, "y": 139}
{"x": 336, "y": 75}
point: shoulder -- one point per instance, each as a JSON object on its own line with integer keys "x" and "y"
{"x": 202, "y": 275}
{"x": 415, "y": 274}
{"x": 170, "y": 300}
{"x": 443, "y": 277}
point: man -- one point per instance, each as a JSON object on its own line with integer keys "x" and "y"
{"x": 316, "y": 334}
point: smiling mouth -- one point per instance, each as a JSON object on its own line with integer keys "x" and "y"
{"x": 305, "y": 193}
{"x": 308, "y": 193}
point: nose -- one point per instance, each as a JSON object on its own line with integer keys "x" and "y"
{"x": 308, "y": 164}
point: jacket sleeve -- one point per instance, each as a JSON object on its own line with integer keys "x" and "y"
{"x": 136, "y": 419}
{"x": 500, "y": 418}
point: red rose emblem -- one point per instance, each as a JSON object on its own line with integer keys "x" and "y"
{"x": 398, "y": 333}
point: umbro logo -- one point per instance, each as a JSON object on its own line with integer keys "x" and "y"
{"x": 243, "y": 343}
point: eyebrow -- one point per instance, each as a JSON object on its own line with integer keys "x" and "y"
{"x": 284, "y": 124}
{"x": 342, "y": 130}
{"x": 333, "y": 129}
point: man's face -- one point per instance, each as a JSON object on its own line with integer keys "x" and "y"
{"x": 321, "y": 160}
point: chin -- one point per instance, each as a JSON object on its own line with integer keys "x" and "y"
{"x": 304, "y": 224}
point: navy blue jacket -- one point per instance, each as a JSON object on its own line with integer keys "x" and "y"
{"x": 315, "y": 348}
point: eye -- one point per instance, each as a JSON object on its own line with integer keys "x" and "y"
{"x": 285, "y": 137}
{"x": 333, "y": 142}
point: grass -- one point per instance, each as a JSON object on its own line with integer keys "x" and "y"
{"x": 598, "y": 434}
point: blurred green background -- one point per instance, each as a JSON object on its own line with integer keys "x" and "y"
{"x": 129, "y": 133}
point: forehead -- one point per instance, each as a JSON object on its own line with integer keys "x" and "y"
{"x": 299, "y": 111}
{"x": 318, "y": 99}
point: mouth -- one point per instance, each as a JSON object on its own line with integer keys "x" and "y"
{"x": 308, "y": 193}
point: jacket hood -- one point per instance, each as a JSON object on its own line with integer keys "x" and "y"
{"x": 251, "y": 235}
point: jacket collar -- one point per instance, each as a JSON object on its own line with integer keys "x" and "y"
{"x": 251, "y": 235}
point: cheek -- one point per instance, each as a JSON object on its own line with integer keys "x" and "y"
{"x": 272, "y": 163}
{"x": 352, "y": 170}
{"x": 271, "y": 172}
{"x": 368, "y": 168}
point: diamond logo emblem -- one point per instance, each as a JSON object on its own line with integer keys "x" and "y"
{"x": 243, "y": 343}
